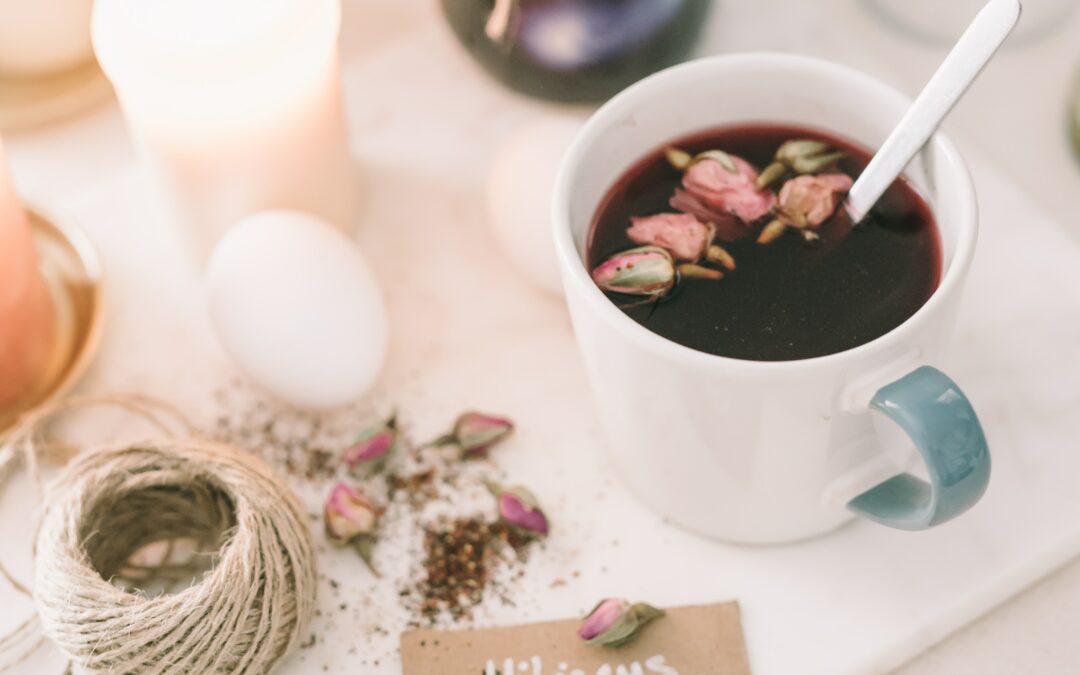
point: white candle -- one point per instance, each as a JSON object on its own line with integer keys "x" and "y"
{"x": 236, "y": 105}
{"x": 27, "y": 320}
{"x": 43, "y": 37}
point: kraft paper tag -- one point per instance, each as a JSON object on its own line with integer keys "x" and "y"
{"x": 698, "y": 640}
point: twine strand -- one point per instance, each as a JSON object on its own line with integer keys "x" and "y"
{"x": 25, "y": 441}
{"x": 111, "y": 505}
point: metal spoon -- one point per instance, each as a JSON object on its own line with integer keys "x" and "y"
{"x": 959, "y": 69}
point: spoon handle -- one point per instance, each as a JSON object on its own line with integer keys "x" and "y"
{"x": 959, "y": 69}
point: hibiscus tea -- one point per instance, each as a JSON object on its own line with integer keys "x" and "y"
{"x": 771, "y": 273}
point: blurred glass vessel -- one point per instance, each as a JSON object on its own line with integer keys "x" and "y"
{"x": 944, "y": 20}
{"x": 576, "y": 50}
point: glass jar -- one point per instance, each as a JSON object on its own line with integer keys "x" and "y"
{"x": 576, "y": 50}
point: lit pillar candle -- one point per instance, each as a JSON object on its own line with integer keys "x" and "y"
{"x": 236, "y": 105}
{"x": 27, "y": 320}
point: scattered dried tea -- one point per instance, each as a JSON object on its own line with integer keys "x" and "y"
{"x": 300, "y": 445}
{"x": 460, "y": 558}
{"x": 439, "y": 540}
{"x": 418, "y": 488}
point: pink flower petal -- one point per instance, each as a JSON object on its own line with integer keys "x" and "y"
{"x": 514, "y": 510}
{"x": 371, "y": 449}
{"x": 477, "y": 432}
{"x": 728, "y": 227}
{"x": 348, "y": 514}
{"x": 725, "y": 192}
{"x": 683, "y": 235}
{"x": 601, "y": 619}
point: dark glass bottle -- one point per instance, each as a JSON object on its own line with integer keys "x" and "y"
{"x": 576, "y": 50}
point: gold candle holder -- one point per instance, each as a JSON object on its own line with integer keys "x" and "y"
{"x": 34, "y": 101}
{"x": 73, "y": 273}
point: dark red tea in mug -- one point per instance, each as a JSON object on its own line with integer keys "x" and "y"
{"x": 745, "y": 252}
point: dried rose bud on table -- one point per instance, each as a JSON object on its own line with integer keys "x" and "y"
{"x": 519, "y": 507}
{"x": 374, "y": 446}
{"x": 615, "y": 622}
{"x": 351, "y": 519}
{"x": 476, "y": 433}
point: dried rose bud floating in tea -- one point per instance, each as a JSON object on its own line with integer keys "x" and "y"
{"x": 782, "y": 277}
{"x": 576, "y": 50}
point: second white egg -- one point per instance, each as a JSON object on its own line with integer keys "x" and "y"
{"x": 519, "y": 193}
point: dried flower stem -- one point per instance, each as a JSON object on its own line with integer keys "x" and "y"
{"x": 770, "y": 175}
{"x": 691, "y": 271}
{"x": 365, "y": 548}
{"x": 680, "y": 159}
{"x": 772, "y": 232}
{"x": 809, "y": 165}
{"x": 720, "y": 157}
{"x": 719, "y": 255}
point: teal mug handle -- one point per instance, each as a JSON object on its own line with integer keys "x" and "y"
{"x": 937, "y": 416}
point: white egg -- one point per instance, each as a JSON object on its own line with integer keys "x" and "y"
{"x": 519, "y": 192}
{"x": 297, "y": 308}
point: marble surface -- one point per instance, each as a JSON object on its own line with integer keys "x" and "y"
{"x": 861, "y": 601}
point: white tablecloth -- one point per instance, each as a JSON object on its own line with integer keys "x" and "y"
{"x": 1013, "y": 117}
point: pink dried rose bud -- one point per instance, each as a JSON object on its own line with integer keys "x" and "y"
{"x": 519, "y": 507}
{"x": 725, "y": 186}
{"x": 808, "y": 201}
{"x": 351, "y": 519}
{"x": 478, "y": 432}
{"x": 475, "y": 433}
{"x": 348, "y": 515}
{"x": 726, "y": 226}
{"x": 374, "y": 445}
{"x": 648, "y": 270}
{"x": 615, "y": 622}
{"x": 680, "y": 234}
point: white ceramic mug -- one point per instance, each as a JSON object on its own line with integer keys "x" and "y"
{"x": 764, "y": 452}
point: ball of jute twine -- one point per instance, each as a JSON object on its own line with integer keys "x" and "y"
{"x": 243, "y": 615}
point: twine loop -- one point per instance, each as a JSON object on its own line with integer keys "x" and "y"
{"x": 210, "y": 517}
